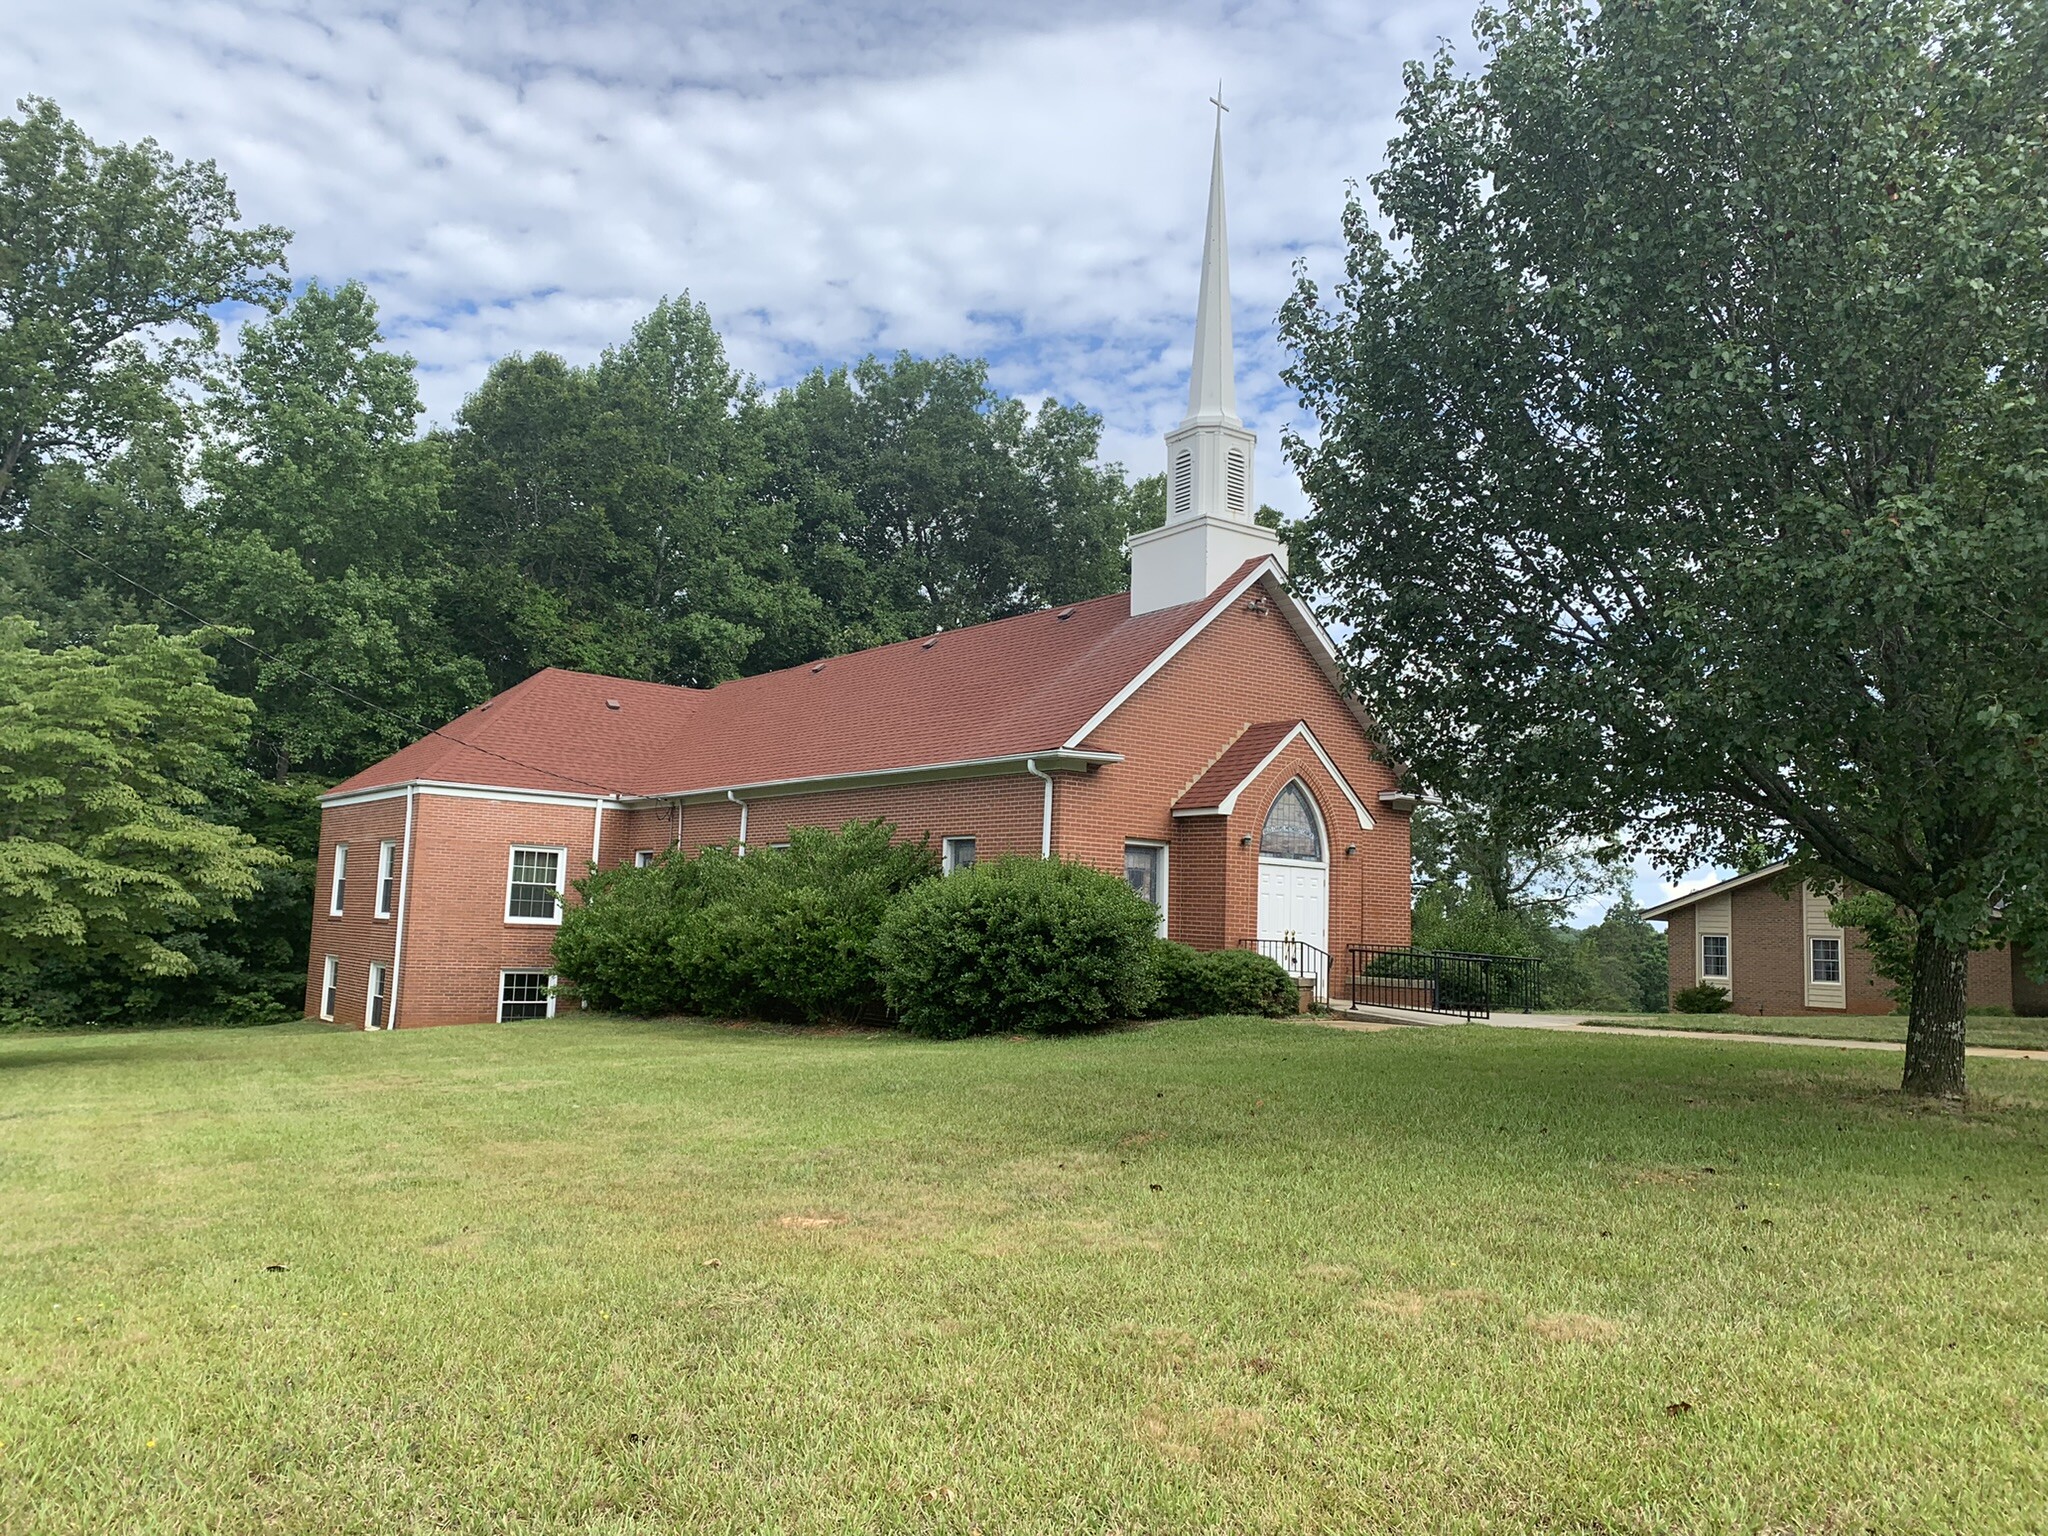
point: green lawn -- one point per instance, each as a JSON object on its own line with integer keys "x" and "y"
{"x": 609, "y": 1276}
{"x": 2022, "y": 1034}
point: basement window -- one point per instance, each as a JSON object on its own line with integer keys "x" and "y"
{"x": 534, "y": 892}
{"x": 958, "y": 854}
{"x": 525, "y": 995}
{"x": 643, "y": 857}
{"x": 330, "y": 987}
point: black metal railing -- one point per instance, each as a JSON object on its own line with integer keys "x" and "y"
{"x": 1299, "y": 958}
{"x": 1443, "y": 981}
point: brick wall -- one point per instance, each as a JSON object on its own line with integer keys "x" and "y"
{"x": 1767, "y": 960}
{"x": 1244, "y": 669}
{"x": 357, "y": 938}
{"x": 457, "y": 937}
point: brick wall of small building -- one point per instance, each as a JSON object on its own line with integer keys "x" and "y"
{"x": 1680, "y": 956}
{"x": 1767, "y": 959}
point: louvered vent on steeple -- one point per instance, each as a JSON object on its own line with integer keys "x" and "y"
{"x": 1237, "y": 484}
{"x": 1183, "y": 484}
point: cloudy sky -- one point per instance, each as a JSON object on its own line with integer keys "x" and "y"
{"x": 1024, "y": 183}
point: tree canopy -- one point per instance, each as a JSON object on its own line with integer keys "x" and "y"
{"x": 110, "y": 860}
{"x": 651, "y": 513}
{"x": 1681, "y": 461}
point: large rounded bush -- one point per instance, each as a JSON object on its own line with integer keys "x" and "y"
{"x": 1189, "y": 983}
{"x": 786, "y": 933}
{"x": 773, "y": 933}
{"x": 616, "y": 944}
{"x": 1017, "y": 945}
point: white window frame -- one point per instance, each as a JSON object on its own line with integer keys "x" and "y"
{"x": 330, "y": 986}
{"x": 1813, "y": 975}
{"x": 642, "y": 857}
{"x": 949, "y": 861}
{"x": 380, "y": 986}
{"x": 1720, "y": 978}
{"x": 553, "y": 981}
{"x": 387, "y": 873}
{"x": 561, "y": 883}
{"x": 337, "y": 888}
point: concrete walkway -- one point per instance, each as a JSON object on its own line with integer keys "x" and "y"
{"x": 1343, "y": 1016}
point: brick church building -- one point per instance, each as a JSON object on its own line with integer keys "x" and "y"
{"x": 1195, "y": 734}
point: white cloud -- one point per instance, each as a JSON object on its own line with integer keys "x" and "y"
{"x": 828, "y": 179}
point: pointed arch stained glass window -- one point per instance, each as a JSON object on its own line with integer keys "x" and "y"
{"x": 1292, "y": 830}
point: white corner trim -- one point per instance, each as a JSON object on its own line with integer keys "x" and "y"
{"x": 398, "y": 923}
{"x": 1267, "y": 566}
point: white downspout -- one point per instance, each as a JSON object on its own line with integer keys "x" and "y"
{"x": 596, "y": 834}
{"x": 736, "y": 800}
{"x": 1045, "y": 837}
{"x": 398, "y": 918}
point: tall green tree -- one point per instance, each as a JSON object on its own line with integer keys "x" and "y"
{"x": 325, "y": 539}
{"x": 923, "y": 497}
{"x": 1683, "y": 453}
{"x": 111, "y": 859}
{"x": 609, "y": 517}
{"x": 113, "y": 259}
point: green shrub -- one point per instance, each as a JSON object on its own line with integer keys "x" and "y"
{"x": 776, "y": 933}
{"x": 616, "y": 945}
{"x": 1189, "y": 983}
{"x": 1017, "y": 945}
{"x": 1704, "y": 998}
{"x": 787, "y": 933}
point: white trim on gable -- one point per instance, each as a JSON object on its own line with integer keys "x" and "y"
{"x": 1664, "y": 909}
{"x": 1123, "y": 694}
{"x": 1299, "y": 619}
{"x": 1301, "y": 732}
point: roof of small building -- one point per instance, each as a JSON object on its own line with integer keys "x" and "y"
{"x": 1664, "y": 909}
{"x": 1015, "y": 686}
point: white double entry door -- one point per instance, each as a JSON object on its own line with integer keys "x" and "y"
{"x": 1294, "y": 903}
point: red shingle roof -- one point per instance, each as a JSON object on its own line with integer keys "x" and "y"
{"x": 1235, "y": 765}
{"x": 1014, "y": 686}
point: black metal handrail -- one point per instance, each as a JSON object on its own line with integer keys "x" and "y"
{"x": 1445, "y": 981}
{"x": 1298, "y": 958}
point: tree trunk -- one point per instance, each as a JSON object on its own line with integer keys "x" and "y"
{"x": 1934, "y": 1029}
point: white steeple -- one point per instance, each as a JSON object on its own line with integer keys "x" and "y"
{"x": 1212, "y": 387}
{"x": 1209, "y": 530}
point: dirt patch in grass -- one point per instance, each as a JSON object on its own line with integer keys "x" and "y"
{"x": 809, "y": 1223}
{"x": 1574, "y": 1328}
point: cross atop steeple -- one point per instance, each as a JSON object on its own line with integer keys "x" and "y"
{"x": 1216, "y": 101}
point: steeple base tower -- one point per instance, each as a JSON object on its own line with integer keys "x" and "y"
{"x": 1190, "y": 559}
